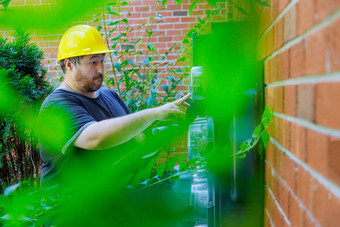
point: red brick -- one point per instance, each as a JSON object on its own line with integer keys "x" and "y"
{"x": 290, "y": 100}
{"x": 165, "y": 26}
{"x": 284, "y": 133}
{"x": 290, "y": 24}
{"x": 327, "y": 104}
{"x": 289, "y": 172}
{"x": 279, "y": 157}
{"x": 325, "y": 8}
{"x": 307, "y": 221}
{"x": 317, "y": 151}
{"x": 297, "y": 60}
{"x": 270, "y": 97}
{"x": 274, "y": 10}
{"x": 298, "y": 141}
{"x": 283, "y": 198}
{"x": 320, "y": 203}
{"x": 304, "y": 188}
{"x": 274, "y": 69}
{"x": 305, "y": 15}
{"x": 333, "y": 219}
{"x": 334, "y": 160}
{"x": 283, "y": 65}
{"x": 32, "y": 1}
{"x": 278, "y": 35}
{"x": 335, "y": 45}
{"x": 188, "y": 19}
{"x": 295, "y": 212}
{"x": 270, "y": 42}
{"x": 283, "y": 4}
{"x": 267, "y": 72}
{"x": 268, "y": 171}
{"x": 305, "y": 101}
{"x": 316, "y": 47}
{"x": 279, "y": 99}
{"x": 180, "y": 25}
{"x": 174, "y": 32}
{"x": 174, "y": 7}
{"x": 287, "y": 141}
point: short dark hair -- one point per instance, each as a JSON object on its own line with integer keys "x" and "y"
{"x": 74, "y": 60}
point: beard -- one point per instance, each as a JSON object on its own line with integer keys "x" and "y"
{"x": 94, "y": 84}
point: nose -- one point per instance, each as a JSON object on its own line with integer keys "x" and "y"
{"x": 100, "y": 68}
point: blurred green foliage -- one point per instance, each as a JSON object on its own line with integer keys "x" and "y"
{"x": 100, "y": 192}
{"x": 141, "y": 71}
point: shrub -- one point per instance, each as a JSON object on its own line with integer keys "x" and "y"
{"x": 21, "y": 69}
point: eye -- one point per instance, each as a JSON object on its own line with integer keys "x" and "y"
{"x": 93, "y": 62}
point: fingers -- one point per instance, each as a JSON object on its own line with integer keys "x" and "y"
{"x": 182, "y": 100}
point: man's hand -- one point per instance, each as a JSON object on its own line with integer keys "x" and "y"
{"x": 173, "y": 110}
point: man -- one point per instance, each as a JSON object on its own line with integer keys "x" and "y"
{"x": 81, "y": 114}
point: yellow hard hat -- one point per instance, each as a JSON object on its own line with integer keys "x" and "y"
{"x": 81, "y": 40}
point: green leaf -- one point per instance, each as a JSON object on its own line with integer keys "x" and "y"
{"x": 239, "y": 9}
{"x": 263, "y": 3}
{"x": 208, "y": 13}
{"x": 146, "y": 61}
{"x": 124, "y": 3}
{"x": 265, "y": 139}
{"x": 114, "y": 23}
{"x": 11, "y": 189}
{"x": 99, "y": 28}
{"x": 257, "y": 131}
{"x": 192, "y": 6}
{"x": 160, "y": 170}
{"x": 114, "y": 12}
{"x": 191, "y": 162}
{"x": 125, "y": 21}
{"x": 117, "y": 66}
{"x": 185, "y": 40}
{"x": 163, "y": 2}
{"x": 181, "y": 162}
{"x": 178, "y": 2}
{"x": 175, "y": 178}
{"x": 172, "y": 162}
{"x": 151, "y": 46}
{"x": 108, "y": 8}
{"x": 245, "y": 145}
{"x": 201, "y": 20}
{"x": 165, "y": 88}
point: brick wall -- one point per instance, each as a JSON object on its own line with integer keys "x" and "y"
{"x": 173, "y": 26}
{"x": 300, "y": 46}
{"x": 176, "y": 22}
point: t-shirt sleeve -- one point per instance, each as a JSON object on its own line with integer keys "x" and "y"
{"x": 63, "y": 120}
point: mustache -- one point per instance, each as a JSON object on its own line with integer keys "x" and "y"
{"x": 99, "y": 76}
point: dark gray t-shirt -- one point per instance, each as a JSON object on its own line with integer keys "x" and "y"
{"x": 64, "y": 115}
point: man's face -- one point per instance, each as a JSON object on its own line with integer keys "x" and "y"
{"x": 89, "y": 73}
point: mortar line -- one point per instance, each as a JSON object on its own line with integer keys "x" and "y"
{"x": 270, "y": 218}
{"x": 279, "y": 207}
{"x": 297, "y": 198}
{"x": 310, "y": 125}
{"x": 326, "y": 22}
{"x": 288, "y": 7}
{"x": 334, "y": 189}
{"x": 331, "y": 77}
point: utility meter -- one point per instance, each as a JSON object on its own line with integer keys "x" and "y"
{"x": 196, "y": 86}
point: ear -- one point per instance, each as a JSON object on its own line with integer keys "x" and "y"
{"x": 68, "y": 65}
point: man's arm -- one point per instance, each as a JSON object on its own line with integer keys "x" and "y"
{"x": 112, "y": 132}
